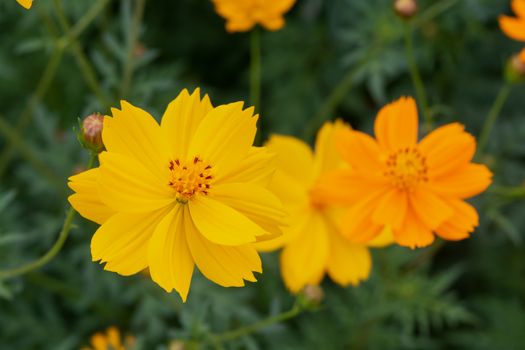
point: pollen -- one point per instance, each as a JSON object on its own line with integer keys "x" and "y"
{"x": 189, "y": 179}
{"x": 406, "y": 168}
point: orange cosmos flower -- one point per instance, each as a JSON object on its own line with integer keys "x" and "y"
{"x": 25, "y": 3}
{"x": 514, "y": 27}
{"x": 110, "y": 340}
{"x": 243, "y": 15}
{"x": 415, "y": 189}
{"x": 312, "y": 241}
{"x": 521, "y": 56}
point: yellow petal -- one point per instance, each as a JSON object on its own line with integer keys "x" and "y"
{"x": 396, "y": 125}
{"x": 347, "y": 263}
{"x": 25, "y": 3}
{"x": 122, "y": 241}
{"x": 170, "y": 261}
{"x": 255, "y": 202}
{"x": 86, "y": 200}
{"x": 135, "y": 133}
{"x": 297, "y": 224}
{"x": 326, "y": 155}
{"x": 304, "y": 260}
{"x": 126, "y": 186}
{"x": 385, "y": 238}
{"x": 181, "y": 120}
{"x": 224, "y": 265}
{"x": 294, "y": 158}
{"x": 114, "y": 337}
{"x": 257, "y": 167}
{"x": 221, "y": 224}
{"x": 224, "y": 138}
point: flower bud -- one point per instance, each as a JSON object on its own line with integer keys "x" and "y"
{"x": 313, "y": 295}
{"x": 91, "y": 129}
{"x": 177, "y": 345}
{"x": 405, "y": 8}
{"x": 515, "y": 71}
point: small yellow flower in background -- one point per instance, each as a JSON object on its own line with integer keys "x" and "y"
{"x": 514, "y": 27}
{"x": 110, "y": 340}
{"x": 192, "y": 190}
{"x": 414, "y": 189}
{"x": 25, "y": 3}
{"x": 312, "y": 242}
{"x": 243, "y": 15}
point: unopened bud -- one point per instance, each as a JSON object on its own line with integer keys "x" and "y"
{"x": 313, "y": 295}
{"x": 405, "y": 8}
{"x": 516, "y": 68}
{"x": 177, "y": 345}
{"x": 92, "y": 132}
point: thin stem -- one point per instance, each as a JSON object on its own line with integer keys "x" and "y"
{"x": 492, "y": 117}
{"x": 511, "y": 192}
{"x": 48, "y": 76}
{"x": 25, "y": 117}
{"x": 82, "y": 61}
{"x": 255, "y": 68}
{"x": 433, "y": 11}
{"x": 416, "y": 76}
{"x": 134, "y": 33}
{"x": 257, "y": 326}
{"x": 55, "y": 249}
{"x": 18, "y": 143}
{"x": 426, "y": 256}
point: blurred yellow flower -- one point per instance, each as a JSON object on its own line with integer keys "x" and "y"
{"x": 514, "y": 27}
{"x": 414, "y": 189}
{"x": 191, "y": 190}
{"x": 25, "y": 3}
{"x": 312, "y": 242}
{"x": 110, "y": 340}
{"x": 243, "y": 15}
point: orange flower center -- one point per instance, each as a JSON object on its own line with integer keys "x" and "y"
{"x": 406, "y": 168}
{"x": 190, "y": 178}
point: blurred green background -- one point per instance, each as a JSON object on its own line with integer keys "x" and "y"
{"x": 465, "y": 295}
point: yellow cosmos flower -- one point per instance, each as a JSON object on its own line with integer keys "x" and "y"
{"x": 243, "y": 15}
{"x": 415, "y": 189}
{"x": 25, "y": 3}
{"x": 191, "y": 190}
{"x": 110, "y": 340}
{"x": 514, "y": 27}
{"x": 312, "y": 242}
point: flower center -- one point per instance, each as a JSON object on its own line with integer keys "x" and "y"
{"x": 190, "y": 178}
{"x": 406, "y": 168}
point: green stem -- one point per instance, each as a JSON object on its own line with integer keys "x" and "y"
{"x": 433, "y": 11}
{"x": 416, "y": 76}
{"x": 82, "y": 61}
{"x": 492, "y": 117}
{"x": 134, "y": 33}
{"x": 18, "y": 143}
{"x": 257, "y": 326}
{"x": 55, "y": 249}
{"x": 255, "y": 68}
{"x": 511, "y": 192}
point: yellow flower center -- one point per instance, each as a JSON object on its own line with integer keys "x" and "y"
{"x": 406, "y": 168}
{"x": 190, "y": 178}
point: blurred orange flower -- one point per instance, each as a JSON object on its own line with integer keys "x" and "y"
{"x": 25, "y": 3}
{"x": 415, "y": 189}
{"x": 514, "y": 27}
{"x": 522, "y": 56}
{"x": 243, "y": 15}
{"x": 110, "y": 340}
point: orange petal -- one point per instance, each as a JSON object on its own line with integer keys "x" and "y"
{"x": 466, "y": 182}
{"x": 447, "y": 148}
{"x": 396, "y": 125}
{"x": 360, "y": 151}
{"x": 343, "y": 187}
{"x": 513, "y": 27}
{"x": 413, "y": 233}
{"x": 357, "y": 224}
{"x": 431, "y": 210}
{"x": 461, "y": 224}
{"x": 518, "y": 6}
{"x": 391, "y": 209}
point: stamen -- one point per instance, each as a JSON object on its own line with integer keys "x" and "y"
{"x": 190, "y": 179}
{"x": 406, "y": 168}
